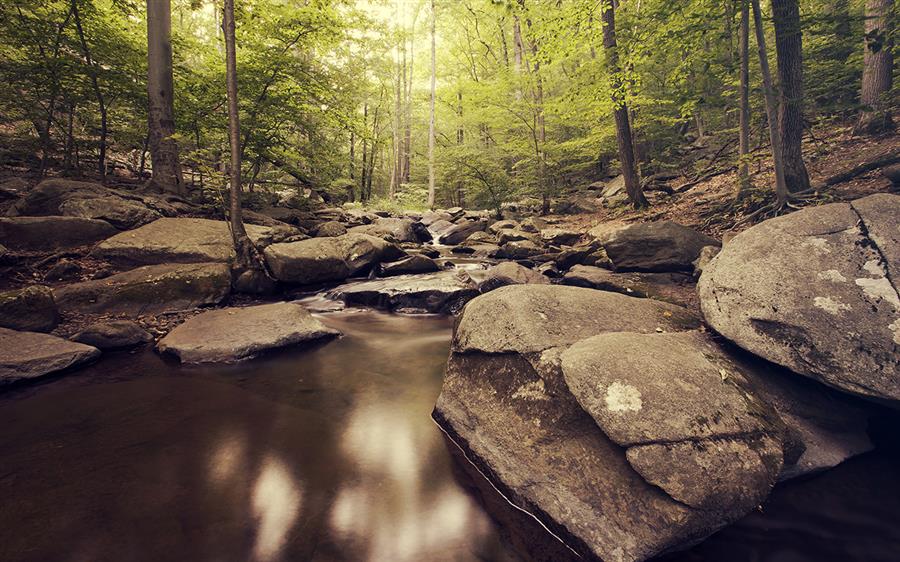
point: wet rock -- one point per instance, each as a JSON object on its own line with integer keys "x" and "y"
{"x": 330, "y": 229}
{"x": 30, "y": 309}
{"x": 458, "y": 233}
{"x": 813, "y": 291}
{"x": 521, "y": 249}
{"x": 411, "y": 265}
{"x": 391, "y": 229}
{"x": 182, "y": 240}
{"x": 430, "y": 252}
{"x": 320, "y": 260}
{"x": 655, "y": 246}
{"x": 149, "y": 289}
{"x": 510, "y": 273}
{"x": 28, "y": 355}
{"x": 442, "y": 292}
{"x": 230, "y": 334}
{"x": 115, "y": 334}
{"x": 49, "y": 233}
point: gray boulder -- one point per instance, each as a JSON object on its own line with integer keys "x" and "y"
{"x": 510, "y": 273}
{"x": 320, "y": 260}
{"x": 443, "y": 292}
{"x": 31, "y": 309}
{"x": 391, "y": 229}
{"x": 28, "y": 355}
{"x": 231, "y": 334}
{"x": 114, "y": 334}
{"x": 52, "y": 233}
{"x": 560, "y": 236}
{"x": 521, "y": 249}
{"x": 413, "y": 264}
{"x": 655, "y": 246}
{"x": 148, "y": 290}
{"x": 458, "y": 233}
{"x": 677, "y": 288}
{"x": 331, "y": 229}
{"x": 813, "y": 291}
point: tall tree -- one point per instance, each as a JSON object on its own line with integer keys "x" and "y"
{"x": 431, "y": 120}
{"x": 789, "y": 52}
{"x": 624, "y": 138}
{"x": 878, "y": 68}
{"x": 744, "y": 140}
{"x": 160, "y": 93}
{"x": 781, "y": 190}
{"x": 94, "y": 73}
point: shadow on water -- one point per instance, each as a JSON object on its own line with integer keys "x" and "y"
{"x": 329, "y": 453}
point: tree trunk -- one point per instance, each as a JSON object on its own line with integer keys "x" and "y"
{"x": 789, "y": 52}
{"x": 624, "y": 138}
{"x": 166, "y": 168}
{"x": 95, "y": 83}
{"x": 405, "y": 124}
{"x": 242, "y": 244}
{"x": 460, "y": 139}
{"x": 781, "y": 191}
{"x": 744, "y": 141}
{"x": 365, "y": 152}
{"x": 878, "y": 66}
{"x": 352, "y": 189}
{"x": 431, "y": 121}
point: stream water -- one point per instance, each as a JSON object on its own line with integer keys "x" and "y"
{"x": 324, "y": 453}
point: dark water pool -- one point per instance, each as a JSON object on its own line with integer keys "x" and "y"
{"x": 326, "y": 453}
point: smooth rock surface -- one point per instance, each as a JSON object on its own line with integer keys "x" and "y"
{"x": 510, "y": 273}
{"x": 320, "y": 260}
{"x": 458, "y": 233}
{"x": 149, "y": 289}
{"x": 443, "y": 292}
{"x": 655, "y": 246}
{"x": 814, "y": 291}
{"x": 28, "y": 355}
{"x": 50, "y": 233}
{"x": 230, "y": 334}
{"x": 114, "y": 334}
{"x": 413, "y": 264}
{"x": 30, "y": 309}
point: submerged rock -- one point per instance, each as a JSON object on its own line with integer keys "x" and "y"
{"x": 149, "y": 289}
{"x": 442, "y": 292}
{"x": 655, "y": 246}
{"x": 31, "y": 309}
{"x": 50, "y": 233}
{"x": 813, "y": 291}
{"x": 27, "y": 355}
{"x": 230, "y": 334}
{"x": 320, "y": 260}
{"x": 115, "y": 334}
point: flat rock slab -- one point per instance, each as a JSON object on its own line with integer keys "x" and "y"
{"x": 49, "y": 233}
{"x": 31, "y": 309}
{"x": 231, "y": 334}
{"x": 183, "y": 240}
{"x": 442, "y": 292}
{"x": 149, "y": 289}
{"x": 655, "y": 246}
{"x": 816, "y": 292}
{"x": 115, "y": 334}
{"x": 27, "y": 355}
{"x": 677, "y": 288}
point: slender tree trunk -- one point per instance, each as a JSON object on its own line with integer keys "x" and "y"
{"x": 781, "y": 190}
{"x": 789, "y": 51}
{"x": 404, "y": 123}
{"x": 70, "y": 139}
{"x": 744, "y": 141}
{"x": 242, "y": 244}
{"x": 431, "y": 120}
{"x": 407, "y": 133}
{"x": 365, "y": 153}
{"x": 167, "y": 175}
{"x": 95, "y": 83}
{"x": 460, "y": 139}
{"x": 143, "y": 161}
{"x": 623, "y": 127}
{"x": 878, "y": 67}
{"x": 351, "y": 195}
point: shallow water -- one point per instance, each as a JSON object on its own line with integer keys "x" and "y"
{"x": 326, "y": 453}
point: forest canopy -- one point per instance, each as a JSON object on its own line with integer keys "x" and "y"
{"x": 334, "y": 94}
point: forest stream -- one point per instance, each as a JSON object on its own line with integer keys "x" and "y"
{"x": 326, "y": 453}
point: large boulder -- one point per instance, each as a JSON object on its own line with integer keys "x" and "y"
{"x": 114, "y": 334}
{"x": 330, "y": 229}
{"x": 677, "y": 288}
{"x": 320, "y": 260}
{"x": 52, "y": 233}
{"x": 560, "y": 236}
{"x": 148, "y": 290}
{"x": 510, "y": 273}
{"x": 813, "y": 291}
{"x": 182, "y": 240}
{"x": 413, "y": 264}
{"x": 395, "y": 230}
{"x": 90, "y": 200}
{"x": 31, "y": 309}
{"x": 442, "y": 292}
{"x": 230, "y": 334}
{"x": 27, "y": 355}
{"x": 655, "y": 246}
{"x": 458, "y": 233}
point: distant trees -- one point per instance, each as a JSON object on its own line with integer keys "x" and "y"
{"x": 160, "y": 93}
{"x": 878, "y": 68}
{"x": 431, "y": 139}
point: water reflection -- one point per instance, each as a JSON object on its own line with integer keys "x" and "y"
{"x": 276, "y": 505}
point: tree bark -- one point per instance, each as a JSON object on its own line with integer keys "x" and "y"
{"x": 365, "y": 152}
{"x": 781, "y": 191}
{"x": 431, "y": 120}
{"x": 789, "y": 52}
{"x": 744, "y": 143}
{"x": 242, "y": 244}
{"x": 166, "y": 168}
{"x": 624, "y": 138}
{"x": 878, "y": 66}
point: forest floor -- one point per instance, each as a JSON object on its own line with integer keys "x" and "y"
{"x": 709, "y": 205}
